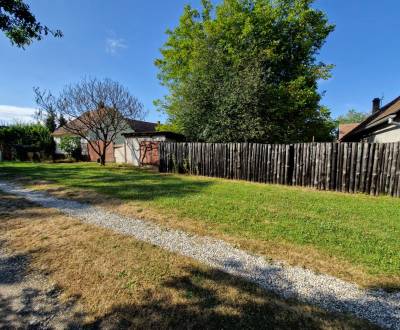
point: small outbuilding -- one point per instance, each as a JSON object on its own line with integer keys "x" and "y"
{"x": 141, "y": 148}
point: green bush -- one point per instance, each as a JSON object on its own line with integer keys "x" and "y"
{"x": 72, "y": 146}
{"x": 22, "y": 139}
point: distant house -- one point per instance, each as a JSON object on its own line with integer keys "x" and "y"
{"x": 89, "y": 153}
{"x": 137, "y": 145}
{"x": 382, "y": 126}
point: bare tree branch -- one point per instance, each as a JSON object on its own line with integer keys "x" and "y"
{"x": 96, "y": 110}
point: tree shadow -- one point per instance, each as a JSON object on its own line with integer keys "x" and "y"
{"x": 13, "y": 268}
{"x": 215, "y": 300}
{"x": 123, "y": 183}
{"x": 386, "y": 287}
{"x": 10, "y": 205}
{"x": 25, "y": 304}
{"x": 200, "y": 298}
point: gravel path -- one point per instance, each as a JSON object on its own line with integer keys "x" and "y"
{"x": 325, "y": 291}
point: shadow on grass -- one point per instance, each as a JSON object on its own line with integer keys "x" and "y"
{"x": 25, "y": 305}
{"x": 203, "y": 306}
{"x": 123, "y": 183}
{"x": 199, "y": 299}
{"x": 386, "y": 287}
{"x": 240, "y": 306}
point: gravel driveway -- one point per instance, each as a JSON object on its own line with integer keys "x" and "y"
{"x": 325, "y": 291}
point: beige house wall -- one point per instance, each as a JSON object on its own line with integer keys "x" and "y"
{"x": 388, "y": 134}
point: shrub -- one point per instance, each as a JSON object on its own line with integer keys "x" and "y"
{"x": 23, "y": 138}
{"x": 72, "y": 146}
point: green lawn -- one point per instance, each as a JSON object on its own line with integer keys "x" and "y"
{"x": 361, "y": 230}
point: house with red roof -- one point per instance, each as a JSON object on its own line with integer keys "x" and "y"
{"x": 136, "y": 145}
{"x": 382, "y": 126}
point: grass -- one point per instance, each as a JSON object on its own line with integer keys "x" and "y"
{"x": 118, "y": 282}
{"x": 354, "y": 237}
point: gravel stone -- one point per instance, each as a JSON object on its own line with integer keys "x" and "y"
{"x": 327, "y": 292}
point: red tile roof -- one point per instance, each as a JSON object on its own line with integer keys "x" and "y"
{"x": 136, "y": 125}
{"x": 346, "y": 128}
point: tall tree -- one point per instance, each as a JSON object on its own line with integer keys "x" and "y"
{"x": 97, "y": 111}
{"x": 50, "y": 122}
{"x": 352, "y": 116}
{"x": 20, "y": 25}
{"x": 61, "y": 121}
{"x": 247, "y": 71}
{"x": 47, "y": 116}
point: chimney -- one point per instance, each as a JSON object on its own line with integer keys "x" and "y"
{"x": 376, "y": 104}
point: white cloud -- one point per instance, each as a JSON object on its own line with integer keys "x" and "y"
{"x": 10, "y": 113}
{"x": 113, "y": 45}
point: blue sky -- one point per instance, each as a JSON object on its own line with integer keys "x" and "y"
{"x": 120, "y": 40}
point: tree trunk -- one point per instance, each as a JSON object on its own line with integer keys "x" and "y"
{"x": 103, "y": 160}
{"x": 103, "y": 155}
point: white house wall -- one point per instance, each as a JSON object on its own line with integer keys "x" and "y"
{"x": 119, "y": 153}
{"x": 57, "y": 141}
{"x": 387, "y": 135}
{"x": 132, "y": 151}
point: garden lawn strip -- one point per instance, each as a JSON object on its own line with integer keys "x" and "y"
{"x": 324, "y": 291}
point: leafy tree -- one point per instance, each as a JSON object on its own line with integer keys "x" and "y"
{"x": 50, "y": 122}
{"x": 71, "y": 145}
{"x": 98, "y": 111}
{"x": 20, "y": 25}
{"x": 352, "y": 116}
{"x": 247, "y": 71}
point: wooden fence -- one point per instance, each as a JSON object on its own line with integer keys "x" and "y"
{"x": 347, "y": 167}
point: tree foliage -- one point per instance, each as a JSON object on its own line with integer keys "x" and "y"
{"x": 247, "y": 71}
{"x": 27, "y": 138}
{"x": 50, "y": 122}
{"x": 71, "y": 145}
{"x": 97, "y": 111}
{"x": 61, "y": 121}
{"x": 352, "y": 116}
{"x": 20, "y": 25}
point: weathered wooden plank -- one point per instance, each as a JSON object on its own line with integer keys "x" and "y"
{"x": 363, "y": 166}
{"x": 393, "y": 167}
{"x": 347, "y": 167}
{"x": 313, "y": 163}
{"x": 396, "y": 188}
{"x": 322, "y": 177}
{"x": 287, "y": 159}
{"x": 381, "y": 169}
{"x": 351, "y": 167}
{"x": 374, "y": 177}
{"x": 328, "y": 166}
